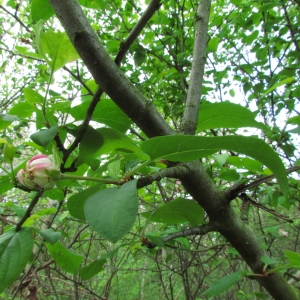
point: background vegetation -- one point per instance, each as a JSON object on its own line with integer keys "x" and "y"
{"x": 185, "y": 117}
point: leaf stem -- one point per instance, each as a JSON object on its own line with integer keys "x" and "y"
{"x": 74, "y": 177}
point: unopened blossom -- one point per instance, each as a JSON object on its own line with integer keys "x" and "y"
{"x": 40, "y": 173}
{"x": 283, "y": 233}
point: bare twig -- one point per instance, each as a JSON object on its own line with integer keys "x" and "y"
{"x": 243, "y": 187}
{"x": 29, "y": 209}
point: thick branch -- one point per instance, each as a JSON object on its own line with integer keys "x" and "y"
{"x": 106, "y": 73}
{"x": 190, "y": 116}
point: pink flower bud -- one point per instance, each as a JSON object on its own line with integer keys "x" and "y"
{"x": 40, "y": 173}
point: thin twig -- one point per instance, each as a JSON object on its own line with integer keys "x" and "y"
{"x": 243, "y": 187}
{"x": 29, "y": 209}
{"x": 124, "y": 47}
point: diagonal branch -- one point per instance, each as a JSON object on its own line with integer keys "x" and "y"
{"x": 190, "y": 116}
{"x": 106, "y": 73}
{"x": 243, "y": 187}
{"x": 149, "y": 12}
{"x": 124, "y": 47}
{"x": 29, "y": 209}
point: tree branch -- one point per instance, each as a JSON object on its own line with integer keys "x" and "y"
{"x": 198, "y": 230}
{"x": 190, "y": 116}
{"x": 243, "y": 187}
{"x": 29, "y": 209}
{"x": 84, "y": 127}
{"x": 106, "y": 73}
{"x": 149, "y": 12}
{"x": 172, "y": 172}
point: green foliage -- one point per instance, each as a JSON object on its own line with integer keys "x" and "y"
{"x": 106, "y": 112}
{"x": 178, "y": 211}
{"x": 247, "y": 129}
{"x": 15, "y": 251}
{"x": 44, "y": 137}
{"x": 41, "y": 9}
{"x": 185, "y": 148}
{"x": 77, "y": 201}
{"x": 223, "y": 284}
{"x": 50, "y": 236}
{"x": 67, "y": 260}
{"x": 54, "y": 47}
{"x": 112, "y": 212}
{"x": 226, "y": 115}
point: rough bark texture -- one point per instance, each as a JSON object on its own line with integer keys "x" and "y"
{"x": 144, "y": 114}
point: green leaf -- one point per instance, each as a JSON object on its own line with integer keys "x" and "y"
{"x": 268, "y": 260}
{"x": 15, "y": 251}
{"x": 9, "y": 118}
{"x": 95, "y": 4}
{"x": 115, "y": 141}
{"x": 76, "y": 202}
{"x": 112, "y": 212}
{"x": 221, "y": 158}
{"x": 32, "y": 97}
{"x": 113, "y": 169}
{"x": 54, "y": 47}
{"x": 92, "y": 269}
{"x": 104, "y": 141}
{"x": 106, "y": 112}
{"x": 92, "y": 141}
{"x": 22, "y": 110}
{"x": 187, "y": 148}
{"x": 213, "y": 44}
{"x": 223, "y": 284}
{"x": 139, "y": 57}
{"x": 27, "y": 52}
{"x": 276, "y": 85}
{"x": 185, "y": 242}
{"x": 245, "y": 163}
{"x": 41, "y": 9}
{"x": 230, "y": 175}
{"x": 50, "y": 236}
{"x": 96, "y": 266}
{"x": 157, "y": 240}
{"x": 55, "y": 194}
{"x": 293, "y": 257}
{"x": 9, "y": 152}
{"x": 4, "y": 187}
{"x": 45, "y": 136}
{"x": 294, "y": 120}
{"x": 179, "y": 211}
{"x": 226, "y": 115}
{"x": 66, "y": 259}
